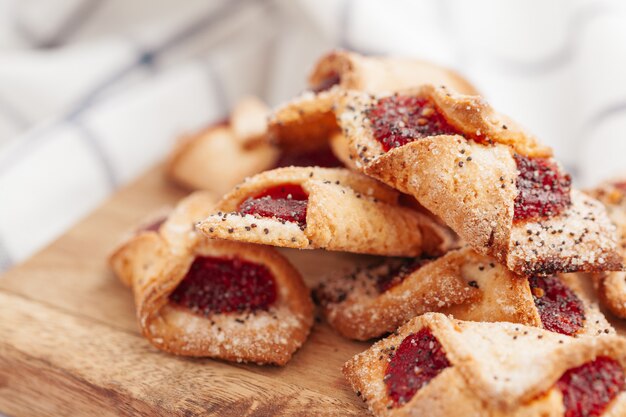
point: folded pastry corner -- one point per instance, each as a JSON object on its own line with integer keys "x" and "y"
{"x": 327, "y": 208}
{"x": 222, "y": 155}
{"x": 227, "y": 300}
{"x": 306, "y": 125}
{"x": 196, "y": 296}
{"x": 248, "y": 121}
{"x": 371, "y": 301}
{"x": 303, "y": 128}
{"x": 124, "y": 258}
{"x": 377, "y": 74}
{"x": 438, "y": 366}
{"x": 489, "y": 180}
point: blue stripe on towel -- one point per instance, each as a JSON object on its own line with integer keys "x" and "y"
{"x": 95, "y": 146}
{"x": 204, "y": 22}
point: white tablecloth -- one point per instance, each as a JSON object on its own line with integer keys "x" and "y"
{"x": 94, "y": 92}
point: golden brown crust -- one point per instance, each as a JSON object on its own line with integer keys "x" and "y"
{"x": 463, "y": 283}
{"x": 383, "y": 74}
{"x": 308, "y": 121}
{"x": 581, "y": 238}
{"x": 474, "y": 117}
{"x": 304, "y": 123}
{"x": 134, "y": 259}
{"x": 508, "y": 297}
{"x": 346, "y": 211}
{"x": 264, "y": 337}
{"x": 299, "y": 175}
{"x": 121, "y": 257}
{"x": 155, "y": 262}
{"x": 497, "y": 369}
{"x": 471, "y": 115}
{"x": 248, "y": 122}
{"x": 212, "y": 160}
{"x": 472, "y": 187}
{"x": 222, "y": 155}
{"x": 353, "y": 304}
{"x": 504, "y": 296}
{"x": 470, "y": 199}
{"x": 611, "y": 286}
{"x": 178, "y": 229}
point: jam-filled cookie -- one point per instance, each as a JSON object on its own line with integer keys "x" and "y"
{"x": 376, "y": 74}
{"x": 328, "y": 208}
{"x": 200, "y": 297}
{"x": 371, "y": 301}
{"x": 304, "y": 127}
{"x": 376, "y": 299}
{"x": 220, "y": 156}
{"x": 558, "y": 303}
{"x": 307, "y": 125}
{"x": 490, "y": 181}
{"x": 611, "y": 286}
{"x": 437, "y": 366}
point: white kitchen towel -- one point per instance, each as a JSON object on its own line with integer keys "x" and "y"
{"x": 94, "y": 92}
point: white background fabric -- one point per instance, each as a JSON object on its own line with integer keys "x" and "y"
{"x": 92, "y": 93}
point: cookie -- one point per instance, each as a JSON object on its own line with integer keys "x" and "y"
{"x": 220, "y": 156}
{"x": 377, "y": 74}
{"x": 324, "y": 208}
{"x": 196, "y": 296}
{"x": 485, "y": 177}
{"x": 374, "y": 300}
{"x": 438, "y": 366}
{"x": 307, "y": 123}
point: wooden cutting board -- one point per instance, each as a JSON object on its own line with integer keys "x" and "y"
{"x": 69, "y": 344}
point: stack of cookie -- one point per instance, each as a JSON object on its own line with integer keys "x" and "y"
{"x": 483, "y": 247}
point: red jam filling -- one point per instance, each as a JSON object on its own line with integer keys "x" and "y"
{"x": 544, "y": 190}
{"x": 329, "y": 81}
{"x": 588, "y": 389}
{"x": 560, "y": 309}
{"x": 419, "y": 358}
{"x": 398, "y": 273}
{"x": 286, "y": 202}
{"x": 220, "y": 285}
{"x": 324, "y": 158}
{"x": 398, "y": 120}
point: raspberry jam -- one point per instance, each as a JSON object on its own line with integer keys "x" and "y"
{"x": 588, "y": 389}
{"x": 324, "y": 158}
{"x": 543, "y": 190}
{"x": 560, "y": 309}
{"x": 398, "y": 272}
{"x": 419, "y": 358}
{"x": 286, "y": 202}
{"x": 220, "y": 285}
{"x": 329, "y": 81}
{"x": 397, "y": 120}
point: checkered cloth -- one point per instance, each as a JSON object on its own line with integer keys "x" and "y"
{"x": 93, "y": 92}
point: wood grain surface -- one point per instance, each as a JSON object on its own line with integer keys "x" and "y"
{"x": 69, "y": 344}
